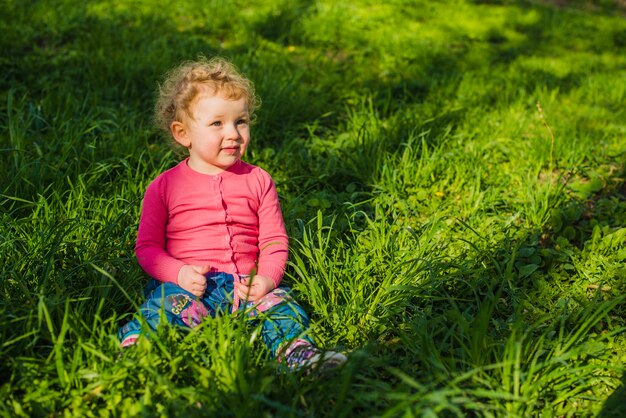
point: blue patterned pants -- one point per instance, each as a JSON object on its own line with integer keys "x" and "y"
{"x": 283, "y": 320}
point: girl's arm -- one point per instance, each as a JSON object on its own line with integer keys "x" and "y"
{"x": 273, "y": 240}
{"x": 150, "y": 248}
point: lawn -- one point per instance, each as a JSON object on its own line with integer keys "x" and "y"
{"x": 451, "y": 174}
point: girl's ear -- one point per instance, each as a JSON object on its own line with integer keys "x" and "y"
{"x": 179, "y": 132}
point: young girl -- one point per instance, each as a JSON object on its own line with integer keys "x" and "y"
{"x": 211, "y": 234}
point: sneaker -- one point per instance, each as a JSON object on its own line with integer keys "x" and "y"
{"x": 308, "y": 357}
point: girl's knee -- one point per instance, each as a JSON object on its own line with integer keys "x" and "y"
{"x": 179, "y": 309}
{"x": 186, "y": 309}
{"x": 194, "y": 313}
{"x": 273, "y": 298}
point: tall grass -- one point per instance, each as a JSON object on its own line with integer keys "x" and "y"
{"x": 469, "y": 259}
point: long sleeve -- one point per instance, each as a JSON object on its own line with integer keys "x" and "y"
{"x": 273, "y": 240}
{"x": 151, "y": 237}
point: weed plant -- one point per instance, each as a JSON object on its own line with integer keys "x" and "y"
{"x": 451, "y": 174}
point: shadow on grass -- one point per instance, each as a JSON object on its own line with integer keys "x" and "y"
{"x": 615, "y": 405}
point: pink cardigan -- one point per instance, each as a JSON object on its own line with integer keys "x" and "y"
{"x": 230, "y": 222}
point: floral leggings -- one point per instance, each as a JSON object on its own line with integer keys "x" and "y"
{"x": 284, "y": 320}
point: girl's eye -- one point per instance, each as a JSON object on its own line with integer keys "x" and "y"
{"x": 216, "y": 123}
{"x": 242, "y": 122}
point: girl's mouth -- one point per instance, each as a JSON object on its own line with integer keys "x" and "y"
{"x": 231, "y": 150}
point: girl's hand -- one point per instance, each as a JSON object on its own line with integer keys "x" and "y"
{"x": 253, "y": 288}
{"x": 192, "y": 279}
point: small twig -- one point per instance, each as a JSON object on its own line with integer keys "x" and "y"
{"x": 595, "y": 286}
{"x": 545, "y": 122}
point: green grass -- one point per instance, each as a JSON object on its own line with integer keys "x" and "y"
{"x": 466, "y": 249}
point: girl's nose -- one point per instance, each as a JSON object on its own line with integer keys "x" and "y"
{"x": 232, "y": 132}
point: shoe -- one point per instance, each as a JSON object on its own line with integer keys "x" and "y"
{"x": 308, "y": 357}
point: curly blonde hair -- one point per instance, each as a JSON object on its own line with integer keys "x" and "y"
{"x": 183, "y": 83}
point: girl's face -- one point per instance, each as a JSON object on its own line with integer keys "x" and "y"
{"x": 218, "y": 133}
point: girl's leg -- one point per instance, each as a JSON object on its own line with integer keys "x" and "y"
{"x": 284, "y": 332}
{"x": 179, "y": 307}
{"x": 285, "y": 323}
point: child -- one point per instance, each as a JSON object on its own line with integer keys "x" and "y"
{"x": 213, "y": 220}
